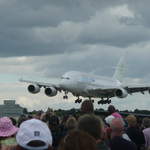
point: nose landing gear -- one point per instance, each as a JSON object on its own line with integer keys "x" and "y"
{"x": 65, "y": 96}
{"x": 102, "y": 101}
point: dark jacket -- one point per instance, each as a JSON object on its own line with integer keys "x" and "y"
{"x": 118, "y": 143}
{"x": 101, "y": 145}
{"x": 136, "y": 136}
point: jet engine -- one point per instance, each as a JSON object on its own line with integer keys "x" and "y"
{"x": 121, "y": 93}
{"x": 33, "y": 88}
{"x": 50, "y": 91}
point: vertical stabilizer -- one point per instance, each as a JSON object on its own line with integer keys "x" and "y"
{"x": 121, "y": 68}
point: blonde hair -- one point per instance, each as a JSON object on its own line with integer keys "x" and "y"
{"x": 131, "y": 119}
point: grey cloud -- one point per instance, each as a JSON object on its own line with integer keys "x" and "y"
{"x": 90, "y": 61}
{"x": 24, "y": 43}
{"x": 20, "y": 18}
{"x": 139, "y": 62}
{"x": 111, "y": 30}
{"x": 33, "y": 13}
{"x": 141, "y": 9}
{"x": 100, "y": 60}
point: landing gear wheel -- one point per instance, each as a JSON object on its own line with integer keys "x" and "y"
{"x": 78, "y": 100}
{"x": 98, "y": 102}
{"x": 109, "y": 101}
{"x": 65, "y": 97}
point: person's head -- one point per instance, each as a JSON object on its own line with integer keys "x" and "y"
{"x": 146, "y": 122}
{"x": 53, "y": 121}
{"x": 87, "y": 107}
{"x": 37, "y": 115}
{"x": 7, "y": 129}
{"x": 117, "y": 127}
{"x": 111, "y": 109}
{"x": 77, "y": 140}
{"x": 131, "y": 120}
{"x": 71, "y": 123}
{"x": 34, "y": 135}
{"x": 91, "y": 124}
{"x": 14, "y": 122}
{"x": 22, "y": 118}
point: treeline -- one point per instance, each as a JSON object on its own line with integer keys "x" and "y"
{"x": 61, "y": 112}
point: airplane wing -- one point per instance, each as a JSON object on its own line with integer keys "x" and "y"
{"x": 110, "y": 91}
{"x": 41, "y": 84}
{"x": 137, "y": 88}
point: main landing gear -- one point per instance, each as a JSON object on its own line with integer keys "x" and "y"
{"x": 92, "y": 100}
{"x": 102, "y": 101}
{"x": 65, "y": 96}
{"x": 78, "y": 100}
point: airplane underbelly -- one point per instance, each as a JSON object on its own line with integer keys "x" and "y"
{"x": 77, "y": 89}
{"x": 73, "y": 87}
{"x": 102, "y": 94}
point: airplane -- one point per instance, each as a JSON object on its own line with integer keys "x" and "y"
{"x": 90, "y": 86}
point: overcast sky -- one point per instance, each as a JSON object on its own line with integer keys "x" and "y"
{"x": 45, "y": 38}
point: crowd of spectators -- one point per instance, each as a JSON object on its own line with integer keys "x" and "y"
{"x": 47, "y": 131}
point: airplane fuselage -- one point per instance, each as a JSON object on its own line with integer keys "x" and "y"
{"x": 78, "y": 83}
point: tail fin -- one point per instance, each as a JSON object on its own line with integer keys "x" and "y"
{"x": 121, "y": 68}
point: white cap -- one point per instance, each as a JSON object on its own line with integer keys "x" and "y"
{"x": 32, "y": 130}
{"x": 109, "y": 119}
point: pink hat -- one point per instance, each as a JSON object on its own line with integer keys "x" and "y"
{"x": 116, "y": 115}
{"x": 6, "y": 127}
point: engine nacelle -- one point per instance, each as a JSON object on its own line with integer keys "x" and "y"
{"x": 33, "y": 88}
{"x": 121, "y": 93}
{"x": 50, "y": 91}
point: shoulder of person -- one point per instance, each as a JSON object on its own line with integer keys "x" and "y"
{"x": 8, "y": 148}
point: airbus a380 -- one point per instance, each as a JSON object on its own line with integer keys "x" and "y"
{"x": 90, "y": 86}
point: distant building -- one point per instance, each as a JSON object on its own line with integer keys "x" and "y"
{"x": 11, "y": 109}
